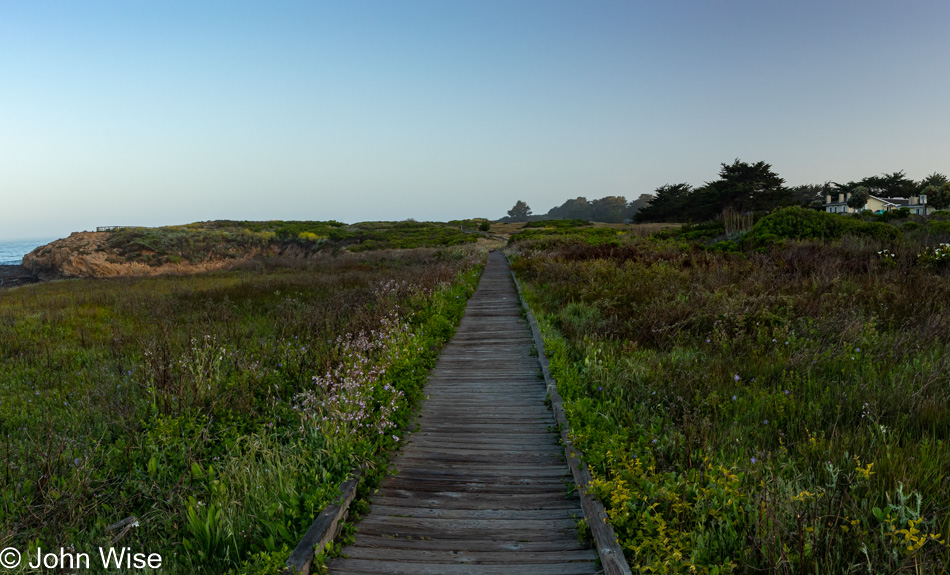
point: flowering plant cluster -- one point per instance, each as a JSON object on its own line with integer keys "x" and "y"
{"x": 356, "y": 398}
{"x": 937, "y": 257}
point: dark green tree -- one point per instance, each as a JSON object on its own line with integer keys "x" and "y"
{"x": 520, "y": 212}
{"x": 638, "y": 204}
{"x": 935, "y": 179}
{"x": 938, "y": 196}
{"x": 896, "y": 185}
{"x": 578, "y": 208}
{"x": 668, "y": 205}
{"x": 859, "y": 198}
{"x": 611, "y": 209}
{"x": 743, "y": 187}
{"x": 810, "y": 195}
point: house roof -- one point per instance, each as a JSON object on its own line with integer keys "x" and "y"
{"x": 892, "y": 201}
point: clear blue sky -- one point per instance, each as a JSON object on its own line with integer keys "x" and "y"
{"x": 163, "y": 112}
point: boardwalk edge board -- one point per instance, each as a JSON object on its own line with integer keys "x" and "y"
{"x": 324, "y": 528}
{"x": 611, "y": 554}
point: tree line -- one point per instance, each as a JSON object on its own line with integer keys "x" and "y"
{"x": 742, "y": 188}
{"x": 610, "y": 209}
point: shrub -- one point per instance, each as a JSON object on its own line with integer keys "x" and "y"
{"x": 800, "y": 224}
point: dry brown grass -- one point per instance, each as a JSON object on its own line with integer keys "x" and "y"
{"x": 505, "y": 230}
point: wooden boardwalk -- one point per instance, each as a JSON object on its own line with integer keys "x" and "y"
{"x": 481, "y": 487}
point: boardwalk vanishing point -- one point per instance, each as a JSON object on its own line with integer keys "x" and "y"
{"x": 481, "y": 487}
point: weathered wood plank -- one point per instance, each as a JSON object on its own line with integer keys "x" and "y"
{"x": 472, "y": 545}
{"x": 513, "y": 447}
{"x": 455, "y": 500}
{"x": 456, "y": 524}
{"x": 492, "y": 513}
{"x": 346, "y": 566}
{"x": 469, "y": 533}
{"x": 432, "y": 463}
{"x": 504, "y": 454}
{"x": 421, "y": 485}
{"x": 474, "y": 557}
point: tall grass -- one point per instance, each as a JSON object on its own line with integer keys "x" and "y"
{"x": 785, "y": 411}
{"x": 178, "y": 400}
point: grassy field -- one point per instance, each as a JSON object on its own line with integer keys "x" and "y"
{"x": 220, "y": 410}
{"x": 201, "y": 240}
{"x": 777, "y": 406}
{"x": 557, "y": 227}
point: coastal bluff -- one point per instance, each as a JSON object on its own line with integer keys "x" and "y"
{"x": 89, "y": 255}
{"x": 221, "y": 244}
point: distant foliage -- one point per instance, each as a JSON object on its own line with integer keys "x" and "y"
{"x": 741, "y": 187}
{"x": 859, "y": 198}
{"x": 229, "y": 239}
{"x": 800, "y": 224}
{"x": 609, "y": 209}
{"x": 670, "y": 204}
{"x": 559, "y": 224}
{"x": 519, "y": 212}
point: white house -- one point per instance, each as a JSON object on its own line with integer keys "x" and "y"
{"x": 916, "y": 204}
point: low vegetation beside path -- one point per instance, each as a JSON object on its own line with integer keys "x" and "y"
{"x": 780, "y": 406}
{"x": 221, "y": 410}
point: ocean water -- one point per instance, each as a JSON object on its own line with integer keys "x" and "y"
{"x": 12, "y": 251}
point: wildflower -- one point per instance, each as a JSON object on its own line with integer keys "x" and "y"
{"x": 765, "y": 422}
{"x": 736, "y": 377}
{"x": 733, "y": 398}
{"x": 600, "y": 388}
{"x": 754, "y": 460}
{"x": 786, "y": 392}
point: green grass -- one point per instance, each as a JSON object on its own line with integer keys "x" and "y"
{"x": 190, "y": 402}
{"x": 781, "y": 411}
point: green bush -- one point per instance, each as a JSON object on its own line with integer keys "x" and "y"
{"x": 702, "y": 231}
{"x": 797, "y": 223}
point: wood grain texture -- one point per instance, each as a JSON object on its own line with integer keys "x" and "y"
{"x": 481, "y": 486}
